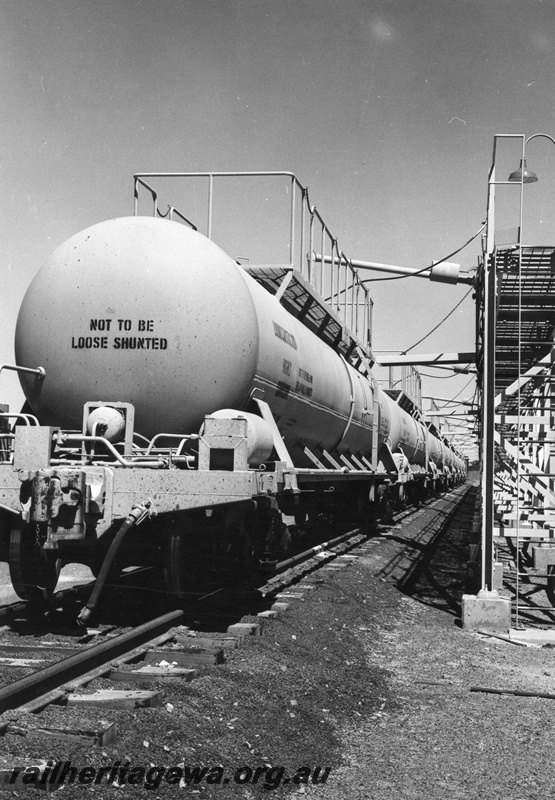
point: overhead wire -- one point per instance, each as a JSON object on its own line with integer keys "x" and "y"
{"x": 438, "y": 377}
{"x": 440, "y": 408}
{"x": 463, "y": 388}
{"x": 446, "y": 317}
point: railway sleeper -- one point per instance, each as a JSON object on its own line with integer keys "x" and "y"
{"x": 104, "y": 734}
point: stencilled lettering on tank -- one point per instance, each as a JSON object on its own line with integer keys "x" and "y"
{"x": 131, "y": 342}
{"x": 100, "y": 324}
{"x": 301, "y": 388}
{"x": 140, "y": 343}
{"x": 284, "y": 335}
{"x": 286, "y": 367}
{"x": 283, "y": 390}
{"x": 89, "y": 342}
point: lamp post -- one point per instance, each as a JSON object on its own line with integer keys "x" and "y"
{"x": 524, "y": 175}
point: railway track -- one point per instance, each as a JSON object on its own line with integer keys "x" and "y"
{"x": 161, "y": 651}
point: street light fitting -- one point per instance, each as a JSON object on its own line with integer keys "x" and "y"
{"x": 523, "y": 174}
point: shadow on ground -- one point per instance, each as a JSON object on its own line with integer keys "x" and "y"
{"x": 437, "y": 570}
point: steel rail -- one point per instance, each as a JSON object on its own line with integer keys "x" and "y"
{"x": 312, "y": 551}
{"x": 54, "y": 676}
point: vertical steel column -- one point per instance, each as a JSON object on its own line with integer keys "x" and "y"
{"x": 345, "y": 293}
{"x": 365, "y": 319}
{"x": 488, "y": 389}
{"x": 319, "y": 284}
{"x": 332, "y": 277}
{"x": 488, "y": 422}
{"x": 341, "y": 258}
{"x": 311, "y": 237}
{"x": 303, "y": 228}
{"x": 353, "y": 307}
{"x": 292, "y": 231}
{"x": 210, "y": 194}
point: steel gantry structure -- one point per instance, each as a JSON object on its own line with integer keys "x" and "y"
{"x": 515, "y": 293}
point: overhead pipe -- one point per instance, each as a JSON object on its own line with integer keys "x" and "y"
{"x": 443, "y": 271}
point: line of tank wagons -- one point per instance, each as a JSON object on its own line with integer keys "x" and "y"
{"x": 209, "y": 411}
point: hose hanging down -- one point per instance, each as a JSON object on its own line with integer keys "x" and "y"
{"x": 137, "y": 514}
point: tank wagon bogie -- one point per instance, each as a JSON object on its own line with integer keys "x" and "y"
{"x": 184, "y": 409}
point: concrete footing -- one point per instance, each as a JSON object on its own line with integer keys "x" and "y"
{"x": 486, "y": 610}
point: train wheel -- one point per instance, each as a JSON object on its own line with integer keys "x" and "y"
{"x": 33, "y": 571}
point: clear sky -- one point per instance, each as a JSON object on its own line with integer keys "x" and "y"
{"x": 386, "y": 109}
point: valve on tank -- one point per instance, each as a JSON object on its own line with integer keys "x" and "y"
{"x": 108, "y": 422}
